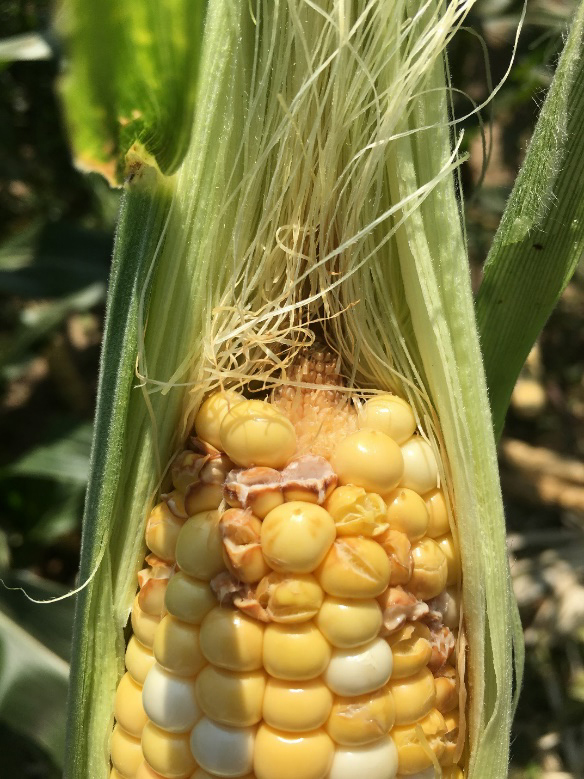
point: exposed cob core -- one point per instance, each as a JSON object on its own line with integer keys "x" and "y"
{"x": 299, "y": 614}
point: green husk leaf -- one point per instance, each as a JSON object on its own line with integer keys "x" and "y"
{"x": 540, "y": 240}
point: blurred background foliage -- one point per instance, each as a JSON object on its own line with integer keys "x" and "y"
{"x": 56, "y": 233}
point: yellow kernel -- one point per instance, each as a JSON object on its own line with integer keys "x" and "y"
{"x": 413, "y": 696}
{"x": 231, "y": 640}
{"x": 185, "y": 469}
{"x": 139, "y": 660}
{"x": 170, "y": 701}
{"x": 412, "y": 754}
{"x": 389, "y": 414}
{"x": 128, "y": 709}
{"x": 438, "y": 523}
{"x": 354, "y": 568}
{"x": 280, "y": 755}
{"x": 231, "y": 698}
{"x": 177, "y": 648}
{"x": 202, "y": 497}
{"x": 290, "y": 706}
{"x": 296, "y": 652}
{"x": 199, "y": 550}
{"x": 143, "y": 625}
{"x": 368, "y": 459}
{"x": 151, "y": 595}
{"x": 290, "y": 597}
{"x": 397, "y": 547}
{"x": 407, "y": 511}
{"x": 212, "y": 413}
{"x": 357, "y": 671}
{"x": 356, "y": 512}
{"x": 430, "y": 572}
{"x": 296, "y": 537}
{"x": 411, "y": 649}
{"x": 175, "y": 501}
{"x": 189, "y": 599}
{"x": 167, "y": 753}
{"x": 256, "y": 433}
{"x": 374, "y": 761}
{"x": 361, "y": 719}
{"x": 162, "y": 531}
{"x": 145, "y": 772}
{"x": 114, "y": 774}
{"x": 446, "y": 692}
{"x": 222, "y": 750}
{"x": 349, "y": 623}
{"x": 452, "y": 555}
{"x": 420, "y": 467}
{"x": 125, "y": 752}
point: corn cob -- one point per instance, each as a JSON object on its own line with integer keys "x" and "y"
{"x": 299, "y": 613}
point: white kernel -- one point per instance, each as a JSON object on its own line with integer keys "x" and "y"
{"x": 170, "y": 700}
{"x": 420, "y": 467}
{"x": 353, "y": 672}
{"x": 374, "y": 761}
{"x": 222, "y": 750}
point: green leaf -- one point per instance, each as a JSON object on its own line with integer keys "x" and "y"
{"x": 541, "y": 236}
{"x": 131, "y": 79}
{"x": 66, "y": 459}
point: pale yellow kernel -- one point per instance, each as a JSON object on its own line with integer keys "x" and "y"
{"x": 115, "y": 774}
{"x": 128, "y": 709}
{"x": 357, "y": 671}
{"x": 162, "y": 531}
{"x": 398, "y": 549}
{"x": 349, "y": 623}
{"x": 356, "y": 512}
{"x": 296, "y": 652}
{"x": 151, "y": 595}
{"x": 188, "y": 599}
{"x": 438, "y": 523}
{"x": 199, "y": 550}
{"x": 256, "y": 433}
{"x": 368, "y": 459}
{"x": 212, "y": 413}
{"x": 231, "y": 698}
{"x": 420, "y": 467}
{"x": 145, "y": 772}
{"x": 125, "y": 752}
{"x": 452, "y": 555}
{"x": 167, "y": 753}
{"x": 139, "y": 660}
{"x": 202, "y": 497}
{"x": 279, "y": 755}
{"x": 143, "y": 625}
{"x": 389, "y": 414}
{"x": 200, "y": 773}
{"x": 413, "y": 696}
{"x": 413, "y": 756}
{"x": 290, "y": 597}
{"x": 296, "y": 706}
{"x": 231, "y": 640}
{"x": 361, "y": 719}
{"x": 296, "y": 537}
{"x": 185, "y": 469}
{"x": 354, "y": 568}
{"x": 411, "y": 649}
{"x": 177, "y": 647}
{"x": 407, "y": 511}
{"x": 430, "y": 572}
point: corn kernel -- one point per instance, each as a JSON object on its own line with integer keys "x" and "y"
{"x": 446, "y": 690}
{"x": 292, "y": 755}
{"x": 143, "y": 625}
{"x": 296, "y": 537}
{"x": 420, "y": 467}
{"x": 407, "y": 511}
{"x": 453, "y": 772}
{"x": 451, "y": 614}
{"x": 296, "y": 706}
{"x": 452, "y": 555}
{"x": 177, "y": 648}
{"x": 199, "y": 549}
{"x": 185, "y": 469}
{"x": 151, "y": 595}
{"x": 413, "y": 696}
{"x": 350, "y": 623}
{"x": 256, "y": 433}
{"x": 389, "y": 414}
{"x": 200, "y": 773}
{"x": 232, "y": 640}
{"x": 170, "y": 700}
{"x": 430, "y": 570}
{"x": 397, "y": 547}
{"x": 374, "y": 761}
{"x": 125, "y": 752}
{"x": 296, "y": 652}
{"x": 413, "y": 756}
{"x": 451, "y": 720}
{"x": 231, "y": 698}
{"x": 438, "y": 523}
{"x": 212, "y": 413}
{"x": 114, "y": 774}
{"x": 257, "y": 489}
{"x": 362, "y": 719}
{"x": 139, "y": 660}
{"x": 222, "y": 750}
{"x": 368, "y": 459}
{"x": 202, "y": 497}
{"x": 162, "y": 531}
{"x": 128, "y": 709}
{"x": 354, "y": 568}
{"x": 175, "y": 501}
{"x": 356, "y": 512}
{"x": 290, "y": 598}
{"x": 361, "y": 670}
{"x": 145, "y": 772}
{"x": 167, "y": 753}
{"x": 188, "y": 599}
{"x": 411, "y": 649}
{"x": 242, "y": 549}
{"x": 427, "y": 773}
